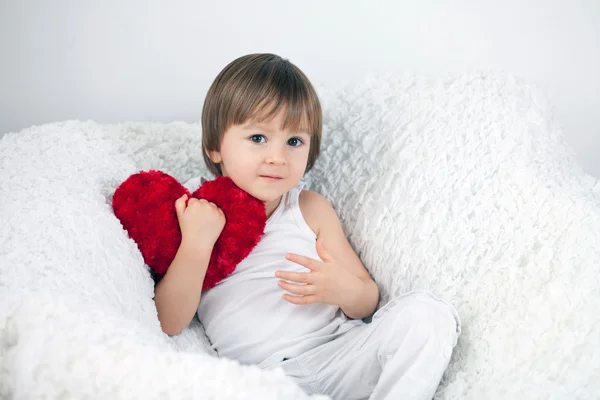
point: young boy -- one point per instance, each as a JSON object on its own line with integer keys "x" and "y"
{"x": 298, "y": 300}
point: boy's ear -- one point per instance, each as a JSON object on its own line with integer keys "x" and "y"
{"x": 215, "y": 156}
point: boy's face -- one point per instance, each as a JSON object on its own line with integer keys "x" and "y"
{"x": 263, "y": 159}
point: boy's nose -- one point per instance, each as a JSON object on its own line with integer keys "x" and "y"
{"x": 275, "y": 156}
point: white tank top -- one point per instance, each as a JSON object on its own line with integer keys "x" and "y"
{"x": 245, "y": 316}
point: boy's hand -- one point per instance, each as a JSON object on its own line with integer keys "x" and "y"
{"x": 325, "y": 282}
{"x": 201, "y": 222}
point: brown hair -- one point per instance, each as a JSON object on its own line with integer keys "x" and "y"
{"x": 257, "y": 87}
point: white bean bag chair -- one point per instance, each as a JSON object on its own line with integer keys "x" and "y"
{"x": 461, "y": 185}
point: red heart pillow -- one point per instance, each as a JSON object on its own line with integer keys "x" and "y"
{"x": 145, "y": 205}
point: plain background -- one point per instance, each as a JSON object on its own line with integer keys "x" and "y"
{"x": 144, "y": 60}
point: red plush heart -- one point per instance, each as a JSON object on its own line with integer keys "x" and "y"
{"x": 145, "y": 205}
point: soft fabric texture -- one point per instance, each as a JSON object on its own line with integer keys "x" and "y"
{"x": 461, "y": 185}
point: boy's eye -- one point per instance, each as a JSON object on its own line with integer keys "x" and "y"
{"x": 257, "y": 138}
{"x": 295, "y": 142}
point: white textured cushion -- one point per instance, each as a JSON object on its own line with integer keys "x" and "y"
{"x": 77, "y": 319}
{"x": 465, "y": 187}
{"x": 460, "y": 185}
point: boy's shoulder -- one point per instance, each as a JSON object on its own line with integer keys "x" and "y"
{"x": 316, "y": 210}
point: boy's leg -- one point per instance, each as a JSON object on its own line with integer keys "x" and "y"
{"x": 401, "y": 354}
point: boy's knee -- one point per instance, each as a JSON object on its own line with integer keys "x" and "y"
{"x": 420, "y": 320}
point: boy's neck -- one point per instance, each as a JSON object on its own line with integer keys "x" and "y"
{"x": 271, "y": 206}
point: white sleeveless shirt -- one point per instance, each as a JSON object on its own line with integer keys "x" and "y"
{"x": 245, "y": 316}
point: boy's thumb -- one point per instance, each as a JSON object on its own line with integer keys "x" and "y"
{"x": 322, "y": 251}
{"x": 180, "y": 205}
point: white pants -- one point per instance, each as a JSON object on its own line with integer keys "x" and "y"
{"x": 401, "y": 354}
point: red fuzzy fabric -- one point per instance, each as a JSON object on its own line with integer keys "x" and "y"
{"x": 145, "y": 205}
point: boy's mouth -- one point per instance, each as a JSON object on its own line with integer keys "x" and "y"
{"x": 271, "y": 177}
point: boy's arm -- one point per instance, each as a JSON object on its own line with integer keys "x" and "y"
{"x": 177, "y": 295}
{"x": 323, "y": 220}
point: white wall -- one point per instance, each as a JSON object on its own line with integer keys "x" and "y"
{"x": 112, "y": 60}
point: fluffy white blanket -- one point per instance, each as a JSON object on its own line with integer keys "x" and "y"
{"x": 461, "y": 185}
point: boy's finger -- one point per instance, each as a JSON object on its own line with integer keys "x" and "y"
{"x": 298, "y": 289}
{"x": 301, "y": 277}
{"x": 307, "y": 262}
{"x": 300, "y": 299}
